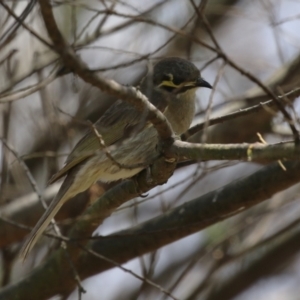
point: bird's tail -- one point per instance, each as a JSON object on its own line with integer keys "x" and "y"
{"x": 62, "y": 196}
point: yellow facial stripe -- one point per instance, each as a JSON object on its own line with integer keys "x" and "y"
{"x": 169, "y": 83}
{"x": 192, "y": 83}
{"x": 172, "y": 84}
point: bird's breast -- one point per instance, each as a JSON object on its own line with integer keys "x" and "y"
{"x": 181, "y": 111}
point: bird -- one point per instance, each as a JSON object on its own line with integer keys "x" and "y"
{"x": 128, "y": 137}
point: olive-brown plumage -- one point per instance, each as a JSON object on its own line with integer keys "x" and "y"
{"x": 128, "y": 136}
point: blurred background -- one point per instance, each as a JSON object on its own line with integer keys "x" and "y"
{"x": 42, "y": 116}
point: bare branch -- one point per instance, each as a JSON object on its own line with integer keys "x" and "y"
{"x": 129, "y": 94}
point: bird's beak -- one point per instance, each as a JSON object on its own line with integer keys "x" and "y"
{"x": 202, "y": 83}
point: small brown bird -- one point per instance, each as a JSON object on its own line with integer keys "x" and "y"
{"x": 130, "y": 139}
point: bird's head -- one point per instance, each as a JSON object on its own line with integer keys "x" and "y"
{"x": 177, "y": 75}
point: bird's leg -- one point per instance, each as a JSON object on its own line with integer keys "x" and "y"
{"x": 135, "y": 179}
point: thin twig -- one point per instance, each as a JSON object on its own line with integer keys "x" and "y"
{"x": 20, "y": 22}
{"x": 24, "y": 92}
{"x": 143, "y": 279}
{"x": 242, "y": 112}
{"x": 266, "y": 89}
{"x": 27, "y": 172}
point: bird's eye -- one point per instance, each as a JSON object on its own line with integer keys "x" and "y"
{"x": 168, "y": 77}
{"x": 167, "y": 82}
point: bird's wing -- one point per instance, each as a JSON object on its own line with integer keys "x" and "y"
{"x": 116, "y": 123}
{"x": 119, "y": 122}
{"x": 86, "y": 147}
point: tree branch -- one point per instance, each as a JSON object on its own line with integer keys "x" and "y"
{"x": 55, "y": 276}
{"x": 74, "y": 63}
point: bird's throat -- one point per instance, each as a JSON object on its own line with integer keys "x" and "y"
{"x": 181, "y": 111}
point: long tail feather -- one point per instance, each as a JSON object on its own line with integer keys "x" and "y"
{"x": 39, "y": 228}
{"x": 62, "y": 196}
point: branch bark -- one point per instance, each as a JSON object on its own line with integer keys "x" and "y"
{"x": 20, "y": 211}
{"x": 55, "y": 275}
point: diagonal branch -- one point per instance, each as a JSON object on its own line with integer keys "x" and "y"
{"x": 74, "y": 63}
{"x": 21, "y": 209}
{"x": 55, "y": 277}
{"x": 266, "y": 89}
{"x": 237, "y": 114}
